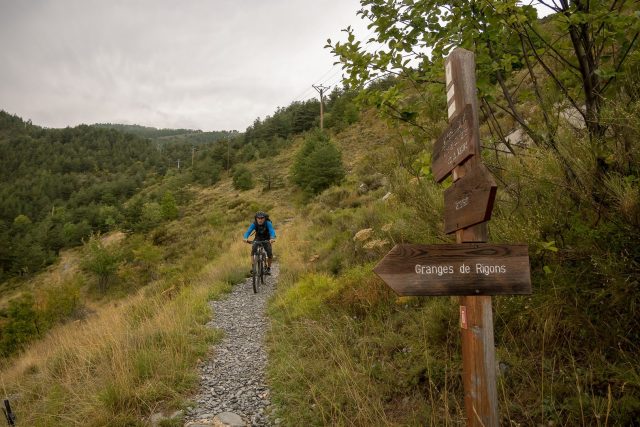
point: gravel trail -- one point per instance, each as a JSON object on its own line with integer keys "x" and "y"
{"x": 233, "y": 379}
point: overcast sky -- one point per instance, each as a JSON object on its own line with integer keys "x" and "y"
{"x": 198, "y": 64}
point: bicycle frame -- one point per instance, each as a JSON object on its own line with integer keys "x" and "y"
{"x": 259, "y": 262}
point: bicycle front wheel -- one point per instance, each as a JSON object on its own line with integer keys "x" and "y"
{"x": 254, "y": 276}
{"x": 261, "y": 271}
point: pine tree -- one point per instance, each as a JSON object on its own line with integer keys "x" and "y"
{"x": 318, "y": 164}
{"x": 168, "y": 206}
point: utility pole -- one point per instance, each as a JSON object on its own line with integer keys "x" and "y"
{"x": 193, "y": 153}
{"x": 178, "y": 164}
{"x": 321, "y": 89}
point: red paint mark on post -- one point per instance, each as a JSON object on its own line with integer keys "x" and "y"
{"x": 463, "y": 317}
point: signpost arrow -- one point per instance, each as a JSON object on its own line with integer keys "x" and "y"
{"x": 469, "y": 200}
{"x": 454, "y": 146}
{"x": 456, "y": 269}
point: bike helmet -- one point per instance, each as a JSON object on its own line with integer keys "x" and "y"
{"x": 261, "y": 214}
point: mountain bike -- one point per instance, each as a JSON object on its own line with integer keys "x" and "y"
{"x": 259, "y": 264}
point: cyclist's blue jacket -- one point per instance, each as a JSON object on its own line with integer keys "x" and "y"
{"x": 263, "y": 232}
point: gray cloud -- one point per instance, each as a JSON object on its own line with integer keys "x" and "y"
{"x": 215, "y": 64}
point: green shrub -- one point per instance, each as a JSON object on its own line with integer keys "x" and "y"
{"x": 100, "y": 261}
{"x": 206, "y": 171}
{"x": 61, "y": 301}
{"x": 168, "y": 206}
{"x": 318, "y": 164}
{"x": 20, "y": 326}
{"x": 242, "y": 178}
{"x": 151, "y": 216}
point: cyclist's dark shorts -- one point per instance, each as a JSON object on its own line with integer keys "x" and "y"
{"x": 267, "y": 248}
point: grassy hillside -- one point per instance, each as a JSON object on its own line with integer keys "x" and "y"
{"x": 343, "y": 348}
{"x": 126, "y": 357}
{"x": 118, "y": 324}
{"x": 114, "y": 351}
{"x": 346, "y": 350}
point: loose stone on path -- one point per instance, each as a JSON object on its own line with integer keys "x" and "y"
{"x": 233, "y": 387}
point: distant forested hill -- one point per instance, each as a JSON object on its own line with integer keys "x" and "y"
{"x": 171, "y": 135}
{"x": 57, "y": 186}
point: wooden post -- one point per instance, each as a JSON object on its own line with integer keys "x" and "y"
{"x": 321, "y": 89}
{"x": 321, "y": 111}
{"x": 478, "y": 353}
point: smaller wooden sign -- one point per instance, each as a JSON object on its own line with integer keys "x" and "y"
{"x": 454, "y": 146}
{"x": 456, "y": 269}
{"x": 469, "y": 200}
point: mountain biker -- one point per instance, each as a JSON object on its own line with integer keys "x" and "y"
{"x": 264, "y": 233}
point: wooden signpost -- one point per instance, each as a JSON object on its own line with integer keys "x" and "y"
{"x": 471, "y": 268}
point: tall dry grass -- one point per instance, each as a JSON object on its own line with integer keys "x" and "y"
{"x": 345, "y": 351}
{"x": 129, "y": 360}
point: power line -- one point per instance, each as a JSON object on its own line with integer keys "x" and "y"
{"x": 331, "y": 77}
{"x": 308, "y": 89}
{"x": 329, "y": 81}
{"x": 320, "y": 79}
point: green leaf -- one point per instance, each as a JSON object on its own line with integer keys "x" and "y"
{"x": 606, "y": 73}
{"x": 549, "y": 246}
